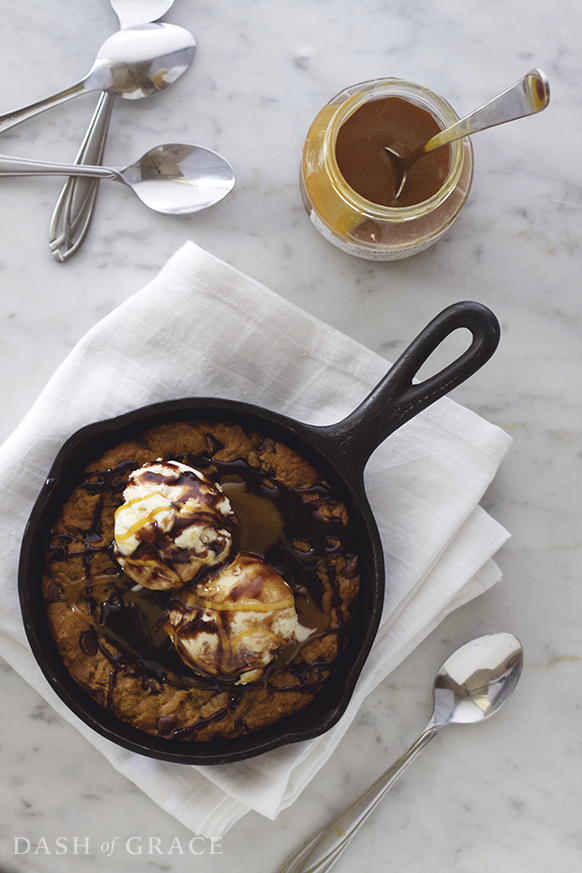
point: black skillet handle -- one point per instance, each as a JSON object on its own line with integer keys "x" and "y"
{"x": 396, "y": 399}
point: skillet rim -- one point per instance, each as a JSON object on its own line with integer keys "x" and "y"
{"x": 330, "y": 702}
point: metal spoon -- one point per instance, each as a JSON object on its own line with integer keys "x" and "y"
{"x": 73, "y": 212}
{"x": 132, "y": 64}
{"x": 176, "y": 178}
{"x": 528, "y": 96}
{"x": 132, "y": 12}
{"x": 473, "y": 683}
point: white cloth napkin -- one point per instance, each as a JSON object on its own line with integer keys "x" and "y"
{"x": 202, "y": 328}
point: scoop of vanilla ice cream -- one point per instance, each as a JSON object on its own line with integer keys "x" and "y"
{"x": 233, "y": 622}
{"x": 174, "y": 523}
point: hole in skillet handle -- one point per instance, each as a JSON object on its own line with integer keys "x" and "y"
{"x": 396, "y": 399}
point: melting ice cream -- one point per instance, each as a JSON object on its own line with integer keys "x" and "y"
{"x": 174, "y": 523}
{"x": 232, "y": 623}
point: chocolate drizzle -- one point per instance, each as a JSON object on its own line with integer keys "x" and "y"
{"x": 295, "y": 529}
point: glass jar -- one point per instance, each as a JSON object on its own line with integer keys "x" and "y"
{"x": 360, "y": 226}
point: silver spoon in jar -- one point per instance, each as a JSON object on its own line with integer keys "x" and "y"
{"x": 175, "y": 178}
{"x": 528, "y": 96}
{"x": 132, "y": 64}
{"x": 473, "y": 683}
{"x": 73, "y": 212}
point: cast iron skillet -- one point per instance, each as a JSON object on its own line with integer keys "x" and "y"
{"x": 340, "y": 451}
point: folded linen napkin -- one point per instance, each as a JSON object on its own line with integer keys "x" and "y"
{"x": 202, "y": 328}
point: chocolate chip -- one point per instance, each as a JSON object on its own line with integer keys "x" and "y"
{"x": 88, "y": 643}
{"x": 212, "y": 445}
{"x": 166, "y": 724}
{"x": 53, "y": 593}
{"x": 265, "y": 443}
{"x": 150, "y": 685}
{"x": 352, "y": 568}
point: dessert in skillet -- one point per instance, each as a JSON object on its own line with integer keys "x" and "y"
{"x": 200, "y": 581}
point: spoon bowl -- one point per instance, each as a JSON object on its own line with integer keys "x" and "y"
{"x": 477, "y": 679}
{"x": 174, "y": 178}
{"x": 472, "y": 685}
{"x": 132, "y": 64}
{"x": 130, "y": 12}
{"x": 528, "y": 96}
{"x": 137, "y": 61}
{"x": 179, "y": 178}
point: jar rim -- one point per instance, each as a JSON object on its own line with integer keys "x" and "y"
{"x": 349, "y": 100}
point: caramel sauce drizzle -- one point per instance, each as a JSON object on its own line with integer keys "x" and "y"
{"x": 129, "y": 622}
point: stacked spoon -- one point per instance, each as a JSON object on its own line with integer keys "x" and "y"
{"x": 175, "y": 178}
{"x": 74, "y": 210}
{"x": 138, "y": 60}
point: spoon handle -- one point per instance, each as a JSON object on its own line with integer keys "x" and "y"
{"x": 528, "y": 96}
{"x": 11, "y": 119}
{"x": 10, "y": 166}
{"x": 319, "y": 853}
{"x": 73, "y": 212}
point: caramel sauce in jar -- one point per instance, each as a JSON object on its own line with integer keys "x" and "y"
{"x": 367, "y": 167}
{"x": 347, "y": 180}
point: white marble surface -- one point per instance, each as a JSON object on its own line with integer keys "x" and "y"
{"x": 505, "y": 795}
